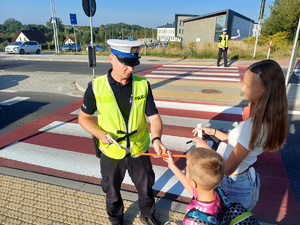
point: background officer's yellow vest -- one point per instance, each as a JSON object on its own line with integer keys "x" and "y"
{"x": 224, "y": 41}
{"x": 110, "y": 118}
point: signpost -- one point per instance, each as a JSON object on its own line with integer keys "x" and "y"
{"x": 261, "y": 15}
{"x": 89, "y": 8}
{"x": 53, "y": 21}
{"x": 74, "y": 22}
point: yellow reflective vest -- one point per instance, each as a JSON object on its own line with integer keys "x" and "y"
{"x": 224, "y": 41}
{"x": 110, "y": 118}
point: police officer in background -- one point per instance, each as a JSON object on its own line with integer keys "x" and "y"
{"x": 223, "y": 45}
{"x": 122, "y": 101}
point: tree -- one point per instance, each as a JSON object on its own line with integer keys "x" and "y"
{"x": 11, "y": 25}
{"x": 284, "y": 16}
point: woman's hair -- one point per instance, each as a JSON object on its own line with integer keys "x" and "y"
{"x": 206, "y": 167}
{"x": 270, "y": 115}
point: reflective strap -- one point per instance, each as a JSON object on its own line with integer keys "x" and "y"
{"x": 197, "y": 215}
{"x": 240, "y": 218}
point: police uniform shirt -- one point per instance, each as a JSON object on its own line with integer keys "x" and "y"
{"x": 220, "y": 38}
{"x": 123, "y": 95}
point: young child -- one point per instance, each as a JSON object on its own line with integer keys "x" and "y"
{"x": 204, "y": 172}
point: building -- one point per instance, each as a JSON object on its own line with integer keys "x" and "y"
{"x": 167, "y": 33}
{"x": 69, "y": 40}
{"x": 30, "y": 35}
{"x": 208, "y": 27}
{"x": 179, "y": 28}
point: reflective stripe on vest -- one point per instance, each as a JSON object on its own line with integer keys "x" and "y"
{"x": 224, "y": 41}
{"x": 110, "y": 118}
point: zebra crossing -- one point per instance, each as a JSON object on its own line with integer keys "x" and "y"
{"x": 194, "y": 72}
{"x": 12, "y": 101}
{"x": 57, "y": 145}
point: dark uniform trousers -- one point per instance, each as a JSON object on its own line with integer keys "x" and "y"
{"x": 142, "y": 175}
{"x": 220, "y": 55}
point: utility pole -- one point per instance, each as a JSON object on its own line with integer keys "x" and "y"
{"x": 261, "y": 15}
{"x": 293, "y": 56}
{"x": 54, "y": 26}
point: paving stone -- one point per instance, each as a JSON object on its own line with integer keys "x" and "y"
{"x": 58, "y": 217}
{"x": 11, "y": 221}
{"x": 74, "y": 221}
{"x": 42, "y": 213}
{"x": 43, "y": 221}
{"x": 27, "y": 209}
{"x": 29, "y": 218}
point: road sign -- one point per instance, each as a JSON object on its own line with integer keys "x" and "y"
{"x": 73, "y": 19}
{"x": 87, "y": 8}
{"x": 52, "y": 20}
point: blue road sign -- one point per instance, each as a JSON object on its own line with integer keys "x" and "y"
{"x": 52, "y": 20}
{"x": 73, "y": 19}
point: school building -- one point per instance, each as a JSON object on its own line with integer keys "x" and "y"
{"x": 208, "y": 27}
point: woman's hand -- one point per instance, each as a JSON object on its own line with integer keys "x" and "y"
{"x": 200, "y": 143}
{"x": 205, "y": 130}
{"x": 169, "y": 160}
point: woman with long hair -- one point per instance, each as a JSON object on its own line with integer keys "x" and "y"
{"x": 264, "y": 131}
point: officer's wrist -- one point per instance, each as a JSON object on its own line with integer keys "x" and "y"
{"x": 154, "y": 139}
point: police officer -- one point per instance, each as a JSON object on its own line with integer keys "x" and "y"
{"x": 223, "y": 45}
{"x": 122, "y": 101}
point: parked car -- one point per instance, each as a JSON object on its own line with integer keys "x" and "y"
{"x": 23, "y": 47}
{"x": 98, "y": 48}
{"x": 70, "y": 48}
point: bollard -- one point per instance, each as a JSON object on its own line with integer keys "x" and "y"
{"x": 269, "y": 50}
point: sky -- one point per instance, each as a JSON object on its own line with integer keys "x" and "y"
{"x": 150, "y": 14}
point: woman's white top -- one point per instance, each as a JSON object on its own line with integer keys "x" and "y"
{"x": 241, "y": 134}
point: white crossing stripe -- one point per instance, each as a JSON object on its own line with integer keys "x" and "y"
{"x": 195, "y": 69}
{"x": 196, "y": 66}
{"x": 197, "y": 73}
{"x": 193, "y": 78}
{"x": 200, "y": 107}
{"x": 13, "y": 101}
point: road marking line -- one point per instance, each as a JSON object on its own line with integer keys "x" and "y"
{"x": 13, "y": 101}
{"x": 197, "y": 73}
{"x": 195, "y": 69}
{"x": 194, "y": 66}
{"x": 192, "y": 78}
{"x": 200, "y": 107}
{"x": 294, "y": 112}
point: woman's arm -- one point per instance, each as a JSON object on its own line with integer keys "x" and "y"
{"x": 236, "y": 157}
{"x": 211, "y": 131}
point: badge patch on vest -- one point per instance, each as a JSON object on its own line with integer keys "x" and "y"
{"x": 140, "y": 97}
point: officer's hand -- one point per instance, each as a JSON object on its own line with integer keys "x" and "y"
{"x": 238, "y": 31}
{"x": 223, "y": 48}
{"x": 159, "y": 147}
{"x": 104, "y": 139}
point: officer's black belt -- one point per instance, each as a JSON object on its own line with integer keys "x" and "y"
{"x": 126, "y": 135}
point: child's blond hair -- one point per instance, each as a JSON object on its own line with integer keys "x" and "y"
{"x": 206, "y": 167}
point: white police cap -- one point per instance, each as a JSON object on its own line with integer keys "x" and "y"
{"x": 126, "y": 51}
{"x": 224, "y": 30}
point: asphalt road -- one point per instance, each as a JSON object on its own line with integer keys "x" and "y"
{"x": 36, "y": 106}
{"x": 70, "y": 67}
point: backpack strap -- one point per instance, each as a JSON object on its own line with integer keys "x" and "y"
{"x": 197, "y": 216}
{"x": 225, "y": 199}
{"x": 240, "y": 218}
